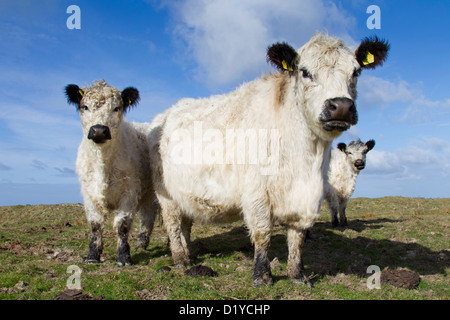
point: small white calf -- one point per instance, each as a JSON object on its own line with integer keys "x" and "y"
{"x": 345, "y": 164}
{"x": 113, "y": 165}
{"x": 261, "y": 152}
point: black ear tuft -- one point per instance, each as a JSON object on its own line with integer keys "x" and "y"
{"x": 130, "y": 97}
{"x": 342, "y": 146}
{"x": 74, "y": 94}
{"x": 370, "y": 144}
{"x": 283, "y": 57}
{"x": 372, "y": 52}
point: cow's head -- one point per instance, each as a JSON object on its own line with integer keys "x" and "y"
{"x": 326, "y": 73}
{"x": 356, "y": 152}
{"x": 101, "y": 108}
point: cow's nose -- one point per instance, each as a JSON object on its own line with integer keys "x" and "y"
{"x": 359, "y": 164}
{"x": 99, "y": 133}
{"x": 343, "y": 109}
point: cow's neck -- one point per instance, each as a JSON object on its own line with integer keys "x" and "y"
{"x": 105, "y": 155}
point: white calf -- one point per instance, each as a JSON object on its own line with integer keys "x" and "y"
{"x": 113, "y": 165}
{"x": 345, "y": 164}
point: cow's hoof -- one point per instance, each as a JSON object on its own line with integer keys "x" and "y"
{"x": 303, "y": 280}
{"x": 91, "y": 261}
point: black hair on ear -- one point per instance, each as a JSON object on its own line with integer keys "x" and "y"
{"x": 74, "y": 94}
{"x": 370, "y": 144}
{"x": 130, "y": 97}
{"x": 342, "y": 146}
{"x": 372, "y": 52}
{"x": 282, "y": 56}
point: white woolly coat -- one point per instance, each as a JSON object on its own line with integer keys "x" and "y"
{"x": 342, "y": 176}
{"x": 117, "y": 177}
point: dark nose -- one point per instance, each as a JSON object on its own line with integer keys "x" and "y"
{"x": 342, "y": 109}
{"x": 99, "y": 133}
{"x": 359, "y": 164}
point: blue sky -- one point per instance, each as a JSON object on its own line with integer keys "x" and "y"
{"x": 186, "y": 48}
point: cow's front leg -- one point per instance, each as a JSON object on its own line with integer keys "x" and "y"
{"x": 123, "y": 223}
{"x": 342, "y": 217}
{"x": 173, "y": 220}
{"x": 295, "y": 269}
{"x": 96, "y": 223}
{"x": 260, "y": 226}
{"x": 261, "y": 265}
{"x": 96, "y": 244}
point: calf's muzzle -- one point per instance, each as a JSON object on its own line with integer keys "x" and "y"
{"x": 99, "y": 133}
{"x": 360, "y": 164}
{"x": 339, "y": 114}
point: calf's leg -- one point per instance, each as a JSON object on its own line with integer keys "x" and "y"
{"x": 342, "y": 216}
{"x": 96, "y": 223}
{"x": 96, "y": 244}
{"x": 123, "y": 223}
{"x": 147, "y": 216}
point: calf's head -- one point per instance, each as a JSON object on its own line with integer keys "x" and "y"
{"x": 356, "y": 152}
{"x": 101, "y": 108}
{"x": 326, "y": 73}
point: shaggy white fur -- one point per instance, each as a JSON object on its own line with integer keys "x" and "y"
{"x": 260, "y": 153}
{"x": 113, "y": 165}
{"x": 345, "y": 165}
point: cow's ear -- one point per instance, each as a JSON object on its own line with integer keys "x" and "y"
{"x": 74, "y": 94}
{"x": 372, "y": 52}
{"x": 370, "y": 144}
{"x": 283, "y": 57}
{"x": 342, "y": 146}
{"x": 130, "y": 97}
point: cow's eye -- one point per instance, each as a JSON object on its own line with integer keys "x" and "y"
{"x": 117, "y": 109}
{"x": 85, "y": 107}
{"x": 306, "y": 74}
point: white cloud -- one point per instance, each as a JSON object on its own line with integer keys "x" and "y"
{"x": 228, "y": 38}
{"x": 411, "y": 161}
{"x": 408, "y": 99}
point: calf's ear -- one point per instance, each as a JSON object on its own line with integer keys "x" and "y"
{"x": 342, "y": 146}
{"x": 370, "y": 144}
{"x": 283, "y": 57}
{"x": 74, "y": 94}
{"x": 130, "y": 97}
{"x": 372, "y": 52}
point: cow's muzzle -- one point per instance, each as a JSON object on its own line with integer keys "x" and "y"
{"x": 99, "y": 133}
{"x": 360, "y": 164}
{"x": 339, "y": 114}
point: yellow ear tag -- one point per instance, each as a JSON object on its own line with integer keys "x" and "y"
{"x": 285, "y": 67}
{"x": 369, "y": 59}
{"x": 81, "y": 92}
{"x": 129, "y": 102}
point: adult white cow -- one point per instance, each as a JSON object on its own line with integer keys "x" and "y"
{"x": 260, "y": 153}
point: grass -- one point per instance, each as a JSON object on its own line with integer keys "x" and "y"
{"x": 39, "y": 243}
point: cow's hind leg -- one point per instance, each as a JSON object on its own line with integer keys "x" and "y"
{"x": 295, "y": 269}
{"x": 147, "y": 216}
